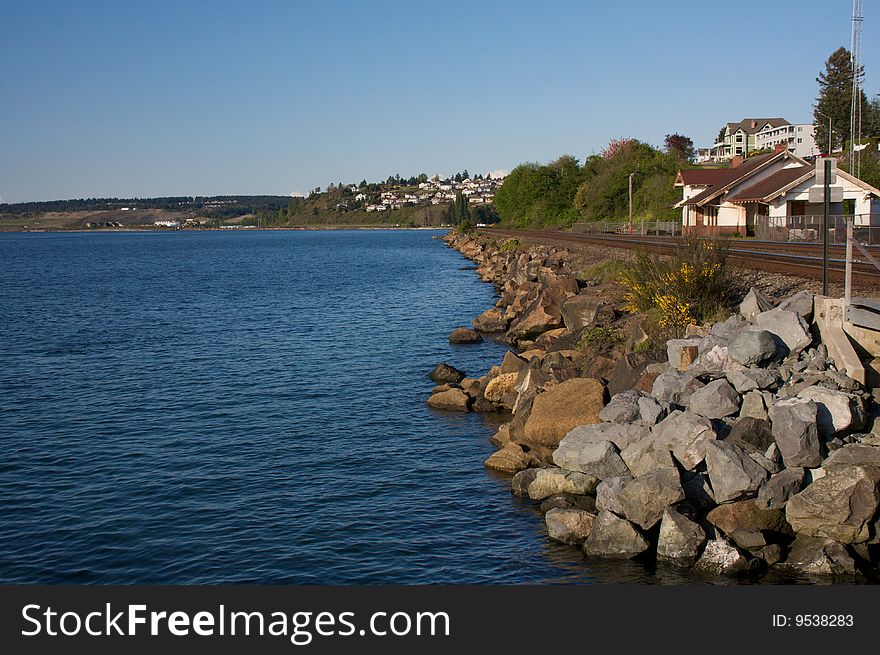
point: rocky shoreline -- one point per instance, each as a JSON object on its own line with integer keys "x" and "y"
{"x": 738, "y": 448}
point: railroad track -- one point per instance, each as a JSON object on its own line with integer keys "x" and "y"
{"x": 800, "y": 259}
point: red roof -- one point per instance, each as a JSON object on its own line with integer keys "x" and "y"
{"x": 730, "y": 176}
{"x": 702, "y": 176}
{"x": 769, "y": 186}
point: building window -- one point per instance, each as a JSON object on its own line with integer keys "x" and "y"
{"x": 800, "y": 140}
{"x": 739, "y": 138}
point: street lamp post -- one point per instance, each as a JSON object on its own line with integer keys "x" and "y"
{"x": 631, "y": 203}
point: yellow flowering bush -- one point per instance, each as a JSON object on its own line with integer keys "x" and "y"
{"x": 681, "y": 289}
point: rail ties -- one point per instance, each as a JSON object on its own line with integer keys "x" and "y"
{"x": 804, "y": 259}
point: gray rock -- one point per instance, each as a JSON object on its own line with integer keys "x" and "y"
{"x": 614, "y": 537}
{"x": 732, "y": 473}
{"x": 620, "y": 434}
{"x": 753, "y": 348}
{"x": 622, "y": 408}
{"x": 519, "y": 485}
{"x": 720, "y": 557}
{"x": 767, "y": 464}
{"x": 824, "y": 557}
{"x": 750, "y": 540}
{"x": 680, "y": 539}
{"x": 551, "y": 481}
{"x": 856, "y": 454}
{"x": 642, "y": 457}
{"x": 581, "y": 311}
{"x": 753, "y": 304}
{"x": 644, "y": 498}
{"x": 794, "y": 424}
{"x": 714, "y": 362}
{"x": 751, "y": 434}
{"x": 464, "y": 335}
{"x": 776, "y": 491}
{"x": 675, "y": 387}
{"x": 686, "y": 435}
{"x": 788, "y": 326}
{"x": 698, "y": 492}
{"x": 598, "y": 459}
{"x": 444, "y": 372}
{"x": 674, "y": 348}
{"x": 753, "y": 406}
{"x": 651, "y": 410}
{"x": 838, "y": 411}
{"x": 800, "y": 303}
{"x": 752, "y": 379}
{"x": 839, "y": 506}
{"x": 607, "y": 492}
{"x": 729, "y": 329}
{"x": 568, "y": 501}
{"x": 570, "y": 526}
{"x": 715, "y": 400}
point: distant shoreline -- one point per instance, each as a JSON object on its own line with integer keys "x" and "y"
{"x": 304, "y": 228}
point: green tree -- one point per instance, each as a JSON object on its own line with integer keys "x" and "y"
{"x": 835, "y": 100}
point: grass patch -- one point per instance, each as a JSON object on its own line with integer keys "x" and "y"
{"x": 509, "y": 246}
{"x": 608, "y": 271}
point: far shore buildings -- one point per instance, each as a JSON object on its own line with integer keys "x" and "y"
{"x": 436, "y": 191}
{"x": 751, "y": 134}
{"x": 770, "y": 191}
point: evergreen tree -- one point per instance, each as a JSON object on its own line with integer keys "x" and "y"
{"x": 835, "y": 100}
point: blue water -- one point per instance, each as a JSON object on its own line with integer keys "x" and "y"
{"x": 249, "y": 407}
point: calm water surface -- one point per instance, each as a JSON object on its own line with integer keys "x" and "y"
{"x": 249, "y": 407}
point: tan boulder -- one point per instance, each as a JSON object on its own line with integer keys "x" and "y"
{"x": 510, "y": 459}
{"x": 562, "y": 408}
{"x": 452, "y": 399}
{"x": 498, "y": 387}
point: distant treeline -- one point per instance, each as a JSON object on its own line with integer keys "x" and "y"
{"x": 212, "y": 206}
{"x": 564, "y": 191}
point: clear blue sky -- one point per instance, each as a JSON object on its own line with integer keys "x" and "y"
{"x": 203, "y": 98}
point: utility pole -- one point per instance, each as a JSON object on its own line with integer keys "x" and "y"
{"x": 631, "y": 203}
{"x": 826, "y": 211}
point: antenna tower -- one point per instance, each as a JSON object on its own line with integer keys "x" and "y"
{"x": 855, "y": 118}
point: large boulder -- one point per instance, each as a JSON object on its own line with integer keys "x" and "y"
{"x": 747, "y": 515}
{"x": 791, "y": 328}
{"x": 599, "y": 459}
{"x": 454, "y": 400}
{"x": 622, "y": 408}
{"x": 492, "y": 320}
{"x": 552, "y": 481}
{"x": 824, "y": 557}
{"x": 510, "y": 459}
{"x": 464, "y": 335}
{"x": 680, "y": 539}
{"x": 608, "y": 491}
{"x": 564, "y": 407}
{"x": 715, "y": 400}
{"x": 570, "y": 526}
{"x": 752, "y": 379}
{"x": 642, "y": 457}
{"x": 795, "y": 430}
{"x": 445, "y": 373}
{"x": 582, "y": 311}
{"x": 542, "y": 314}
{"x": 855, "y": 454}
{"x": 621, "y": 435}
{"x": 800, "y": 303}
{"x": 838, "y": 411}
{"x": 753, "y": 347}
{"x": 675, "y": 387}
{"x": 646, "y": 497}
{"x": 720, "y": 557}
{"x": 840, "y": 506}
{"x": 501, "y": 387}
{"x": 686, "y": 435}
{"x": 753, "y": 304}
{"x": 751, "y": 434}
{"x": 732, "y": 473}
{"x": 614, "y": 537}
{"x": 651, "y": 411}
{"x": 776, "y": 491}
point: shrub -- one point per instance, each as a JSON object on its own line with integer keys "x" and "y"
{"x": 509, "y": 245}
{"x": 687, "y": 287}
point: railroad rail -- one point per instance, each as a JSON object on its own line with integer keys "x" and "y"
{"x": 799, "y": 259}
